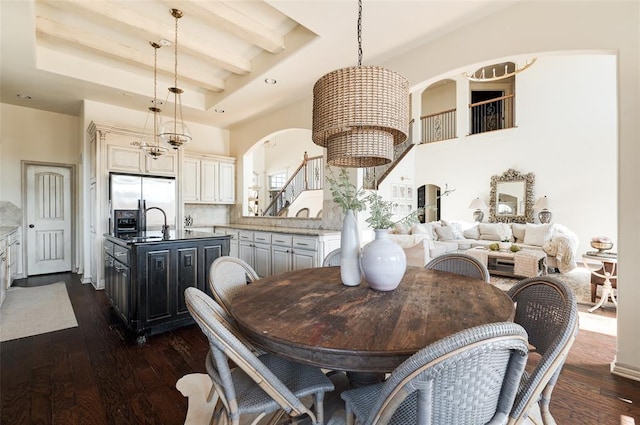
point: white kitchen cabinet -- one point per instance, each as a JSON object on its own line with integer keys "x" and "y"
{"x": 255, "y": 249}
{"x": 275, "y": 252}
{"x": 133, "y": 160}
{"x": 208, "y": 180}
{"x": 14, "y": 251}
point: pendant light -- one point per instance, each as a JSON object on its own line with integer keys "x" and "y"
{"x": 174, "y": 132}
{"x": 360, "y": 112}
{"x": 154, "y": 150}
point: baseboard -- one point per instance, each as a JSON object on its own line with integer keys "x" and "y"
{"x": 625, "y": 371}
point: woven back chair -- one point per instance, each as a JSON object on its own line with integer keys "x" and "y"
{"x": 547, "y": 309}
{"x": 460, "y": 264}
{"x": 259, "y": 384}
{"x": 332, "y": 258}
{"x": 468, "y": 378}
{"x": 226, "y": 276}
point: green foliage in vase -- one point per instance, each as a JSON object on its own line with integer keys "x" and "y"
{"x": 382, "y": 212}
{"x": 345, "y": 193}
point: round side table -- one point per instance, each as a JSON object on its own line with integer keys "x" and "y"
{"x": 602, "y": 271}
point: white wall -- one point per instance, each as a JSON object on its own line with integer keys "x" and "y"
{"x": 533, "y": 27}
{"x": 566, "y": 135}
{"x": 34, "y": 135}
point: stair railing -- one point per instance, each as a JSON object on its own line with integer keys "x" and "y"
{"x": 373, "y": 176}
{"x": 308, "y": 176}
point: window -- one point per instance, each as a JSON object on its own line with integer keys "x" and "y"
{"x": 277, "y": 180}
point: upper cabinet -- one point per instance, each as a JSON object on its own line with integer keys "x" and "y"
{"x": 208, "y": 179}
{"x": 133, "y": 160}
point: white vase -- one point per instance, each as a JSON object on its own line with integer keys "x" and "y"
{"x": 383, "y": 262}
{"x": 350, "y": 273}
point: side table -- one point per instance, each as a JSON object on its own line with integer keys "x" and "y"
{"x": 606, "y": 269}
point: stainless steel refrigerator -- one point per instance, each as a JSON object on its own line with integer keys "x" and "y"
{"x": 134, "y": 192}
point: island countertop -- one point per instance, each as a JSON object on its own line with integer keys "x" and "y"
{"x": 278, "y": 229}
{"x": 155, "y": 237}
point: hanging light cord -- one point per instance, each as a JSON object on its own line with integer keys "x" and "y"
{"x": 359, "y": 32}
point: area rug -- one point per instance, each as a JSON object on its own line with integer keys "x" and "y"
{"x": 35, "y": 310}
{"x": 578, "y": 279}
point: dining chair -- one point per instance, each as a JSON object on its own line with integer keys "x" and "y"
{"x": 303, "y": 213}
{"x": 470, "y": 377}
{"x": 547, "y": 309}
{"x": 332, "y": 258}
{"x": 226, "y": 276}
{"x": 459, "y": 263}
{"x": 259, "y": 384}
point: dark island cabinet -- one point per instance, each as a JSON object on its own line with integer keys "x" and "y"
{"x": 146, "y": 285}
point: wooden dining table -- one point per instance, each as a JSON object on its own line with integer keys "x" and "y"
{"x": 309, "y": 316}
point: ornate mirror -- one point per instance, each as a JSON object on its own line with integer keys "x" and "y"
{"x": 511, "y": 197}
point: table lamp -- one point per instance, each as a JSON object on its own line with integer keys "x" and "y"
{"x": 479, "y": 205}
{"x": 544, "y": 215}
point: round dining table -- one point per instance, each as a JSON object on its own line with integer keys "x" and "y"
{"x": 309, "y": 316}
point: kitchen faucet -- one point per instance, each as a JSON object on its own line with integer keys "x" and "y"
{"x": 165, "y": 228}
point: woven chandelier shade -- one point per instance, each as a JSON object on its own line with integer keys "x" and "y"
{"x": 359, "y": 114}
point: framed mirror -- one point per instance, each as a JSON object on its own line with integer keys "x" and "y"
{"x": 511, "y": 197}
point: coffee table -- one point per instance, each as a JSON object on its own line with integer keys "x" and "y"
{"x": 523, "y": 263}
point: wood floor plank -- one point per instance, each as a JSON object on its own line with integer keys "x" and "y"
{"x": 96, "y": 373}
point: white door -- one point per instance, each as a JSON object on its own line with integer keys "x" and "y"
{"x": 48, "y": 207}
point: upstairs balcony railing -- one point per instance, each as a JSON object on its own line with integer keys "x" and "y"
{"x": 308, "y": 176}
{"x": 493, "y": 114}
{"x": 438, "y": 126}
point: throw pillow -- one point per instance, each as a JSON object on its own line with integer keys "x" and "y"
{"x": 421, "y": 229}
{"x": 495, "y": 231}
{"x": 456, "y": 228}
{"x": 400, "y": 229}
{"x": 445, "y": 233}
{"x": 538, "y": 234}
{"x": 472, "y": 232}
{"x": 518, "y": 231}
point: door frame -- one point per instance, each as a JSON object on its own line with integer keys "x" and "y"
{"x": 74, "y": 210}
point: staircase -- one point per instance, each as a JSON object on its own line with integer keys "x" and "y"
{"x": 373, "y": 176}
{"x": 308, "y": 176}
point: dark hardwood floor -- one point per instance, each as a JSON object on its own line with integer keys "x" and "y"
{"x": 96, "y": 374}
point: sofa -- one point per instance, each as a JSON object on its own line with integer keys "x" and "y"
{"x": 423, "y": 241}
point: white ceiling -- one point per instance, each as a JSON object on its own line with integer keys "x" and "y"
{"x": 60, "y": 52}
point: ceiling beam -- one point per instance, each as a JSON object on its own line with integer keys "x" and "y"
{"x": 221, "y": 15}
{"x": 151, "y": 30}
{"x": 46, "y": 28}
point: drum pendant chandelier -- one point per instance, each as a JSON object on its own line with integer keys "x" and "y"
{"x": 360, "y": 112}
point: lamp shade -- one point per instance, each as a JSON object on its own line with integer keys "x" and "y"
{"x": 359, "y": 114}
{"x": 542, "y": 203}
{"x": 477, "y": 204}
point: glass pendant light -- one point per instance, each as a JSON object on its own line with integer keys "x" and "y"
{"x": 154, "y": 150}
{"x": 174, "y": 132}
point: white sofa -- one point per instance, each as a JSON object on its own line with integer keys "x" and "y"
{"x": 425, "y": 241}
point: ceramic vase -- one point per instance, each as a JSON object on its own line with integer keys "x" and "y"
{"x": 350, "y": 273}
{"x": 383, "y": 262}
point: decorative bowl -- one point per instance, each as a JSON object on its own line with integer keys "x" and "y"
{"x": 601, "y": 246}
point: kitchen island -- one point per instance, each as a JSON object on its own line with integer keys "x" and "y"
{"x": 146, "y": 275}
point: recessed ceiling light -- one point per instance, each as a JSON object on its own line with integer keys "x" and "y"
{"x": 270, "y": 81}
{"x": 24, "y": 96}
{"x": 219, "y": 111}
{"x": 164, "y": 42}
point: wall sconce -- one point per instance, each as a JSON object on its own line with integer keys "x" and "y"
{"x": 544, "y": 215}
{"x": 478, "y": 205}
